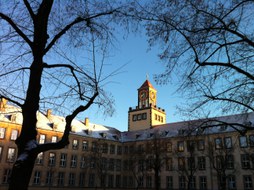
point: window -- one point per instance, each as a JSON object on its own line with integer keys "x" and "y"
{"x": 191, "y": 163}
{"x": 112, "y": 149}
{"x": 218, "y": 143}
{"x": 92, "y": 162}
{"x": 219, "y": 162}
{"x": 193, "y": 182}
{"x": 251, "y": 140}
{"x": 54, "y": 139}
{"x": 82, "y": 179}
{"x": 202, "y": 183}
{"x": 37, "y": 176}
{"x": 141, "y": 181}
{"x": 119, "y": 150}
{"x": 180, "y": 146}
{"x": 247, "y": 181}
{"x": 49, "y": 178}
{"x": 134, "y": 117}
{"x": 2, "y": 132}
{"x": 228, "y": 142}
{"x": 110, "y": 180}
{"x": 1, "y": 152}
{"x": 201, "y": 145}
{"x": 140, "y": 148}
{"x": 126, "y": 149}
{"x": 191, "y": 146}
{"x": 71, "y": 179}
{"x": 14, "y": 134}
{"x": 169, "y": 164}
{"x": 105, "y": 148}
{"x": 6, "y": 175}
{"x": 245, "y": 161}
{"x": 141, "y": 165}
{"x": 243, "y": 141}
{"x": 201, "y": 163}
{"x": 181, "y": 163}
{"x": 125, "y": 165}
{"x": 230, "y": 161}
{"x": 94, "y": 146}
{"x": 73, "y": 161}
{"x": 182, "y": 182}
{"x": 39, "y": 159}
{"x": 60, "y": 179}
{"x": 75, "y": 144}
{"x": 131, "y": 183}
{"x": 169, "y": 182}
{"x": 231, "y": 182}
{"x": 91, "y": 180}
{"x": 118, "y": 181}
{"x": 148, "y": 181}
{"x": 84, "y": 145}
{"x": 118, "y": 165}
{"x": 63, "y": 159}
{"x": 11, "y": 155}
{"x": 169, "y": 147}
{"x": 83, "y": 162}
{"x": 52, "y": 159}
{"x": 144, "y": 116}
{"x": 42, "y": 139}
{"x": 111, "y": 164}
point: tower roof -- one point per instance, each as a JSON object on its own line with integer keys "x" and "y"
{"x": 146, "y": 84}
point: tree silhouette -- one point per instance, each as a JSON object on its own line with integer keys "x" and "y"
{"x": 40, "y": 43}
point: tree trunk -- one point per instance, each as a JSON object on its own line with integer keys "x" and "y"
{"x": 21, "y": 173}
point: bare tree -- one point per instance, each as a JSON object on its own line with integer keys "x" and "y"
{"x": 40, "y": 43}
{"x": 222, "y": 161}
{"x": 210, "y": 46}
{"x": 155, "y": 155}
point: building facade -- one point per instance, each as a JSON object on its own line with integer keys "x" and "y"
{"x": 205, "y": 154}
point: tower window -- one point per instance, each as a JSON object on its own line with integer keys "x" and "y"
{"x": 144, "y": 116}
{"x": 139, "y": 116}
{"x": 134, "y": 117}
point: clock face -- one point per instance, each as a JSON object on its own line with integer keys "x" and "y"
{"x": 142, "y": 95}
{"x": 152, "y": 95}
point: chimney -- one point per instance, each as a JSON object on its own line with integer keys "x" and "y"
{"x": 49, "y": 112}
{"x": 3, "y": 103}
{"x": 86, "y": 121}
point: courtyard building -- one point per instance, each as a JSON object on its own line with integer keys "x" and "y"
{"x": 204, "y": 154}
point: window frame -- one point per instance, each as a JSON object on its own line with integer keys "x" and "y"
{"x": 63, "y": 160}
{"x": 37, "y": 177}
{"x": 180, "y": 146}
{"x": 75, "y": 144}
{"x": 218, "y": 143}
{"x": 243, "y": 143}
{"x": 11, "y": 154}
{"x": 2, "y": 132}
{"x": 14, "y": 134}
{"x": 52, "y": 159}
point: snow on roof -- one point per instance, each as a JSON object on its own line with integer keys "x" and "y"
{"x": 169, "y": 130}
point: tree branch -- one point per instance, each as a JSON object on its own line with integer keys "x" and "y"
{"x": 16, "y": 28}
{"x": 10, "y": 100}
{"x": 239, "y": 70}
{"x": 74, "y": 22}
{"x": 64, "y": 141}
{"x": 29, "y": 9}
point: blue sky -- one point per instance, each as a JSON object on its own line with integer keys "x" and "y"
{"x": 140, "y": 62}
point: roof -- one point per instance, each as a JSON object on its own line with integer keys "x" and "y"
{"x": 169, "y": 130}
{"x": 146, "y": 84}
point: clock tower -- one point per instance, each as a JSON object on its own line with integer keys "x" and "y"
{"x": 146, "y": 114}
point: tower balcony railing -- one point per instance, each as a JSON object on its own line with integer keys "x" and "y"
{"x": 145, "y": 107}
